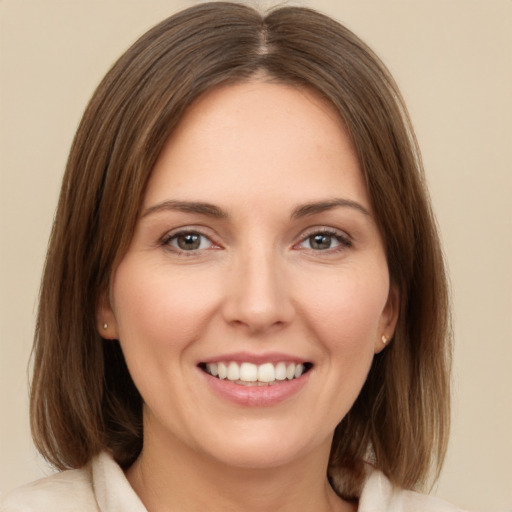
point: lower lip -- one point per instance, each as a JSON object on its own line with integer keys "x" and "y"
{"x": 256, "y": 396}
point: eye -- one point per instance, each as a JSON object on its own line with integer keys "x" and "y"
{"x": 188, "y": 241}
{"x": 325, "y": 240}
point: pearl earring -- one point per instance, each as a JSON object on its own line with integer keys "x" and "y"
{"x": 384, "y": 339}
{"x": 105, "y": 326}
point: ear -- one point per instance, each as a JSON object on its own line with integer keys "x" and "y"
{"x": 106, "y": 323}
{"x": 388, "y": 319}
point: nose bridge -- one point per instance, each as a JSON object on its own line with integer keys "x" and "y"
{"x": 258, "y": 293}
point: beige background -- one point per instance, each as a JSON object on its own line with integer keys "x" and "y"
{"x": 452, "y": 60}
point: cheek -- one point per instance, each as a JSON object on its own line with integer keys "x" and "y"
{"x": 345, "y": 319}
{"x": 346, "y": 311}
{"x": 159, "y": 314}
{"x": 353, "y": 302}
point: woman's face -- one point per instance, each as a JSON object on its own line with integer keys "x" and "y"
{"x": 255, "y": 292}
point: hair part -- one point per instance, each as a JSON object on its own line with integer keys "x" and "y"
{"x": 83, "y": 399}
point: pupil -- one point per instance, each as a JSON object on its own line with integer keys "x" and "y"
{"x": 189, "y": 242}
{"x": 321, "y": 242}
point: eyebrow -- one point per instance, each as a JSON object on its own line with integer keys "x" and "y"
{"x": 322, "y": 206}
{"x": 211, "y": 210}
{"x": 207, "y": 209}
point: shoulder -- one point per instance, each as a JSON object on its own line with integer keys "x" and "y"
{"x": 101, "y": 486}
{"x": 68, "y": 491}
{"x": 379, "y": 495}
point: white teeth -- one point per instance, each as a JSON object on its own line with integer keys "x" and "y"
{"x": 280, "y": 371}
{"x": 223, "y": 371}
{"x": 233, "y": 371}
{"x": 248, "y": 372}
{"x": 266, "y": 373}
{"x": 213, "y": 369}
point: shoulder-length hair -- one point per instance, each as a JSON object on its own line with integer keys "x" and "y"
{"x": 83, "y": 399}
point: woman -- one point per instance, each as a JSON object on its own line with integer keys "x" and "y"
{"x": 244, "y": 301}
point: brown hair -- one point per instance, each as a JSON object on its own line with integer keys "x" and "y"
{"x": 83, "y": 398}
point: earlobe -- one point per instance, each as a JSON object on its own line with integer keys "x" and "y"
{"x": 389, "y": 319}
{"x": 106, "y": 324}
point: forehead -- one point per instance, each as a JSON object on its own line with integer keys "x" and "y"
{"x": 257, "y": 137}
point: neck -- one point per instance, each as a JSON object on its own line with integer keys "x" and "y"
{"x": 175, "y": 478}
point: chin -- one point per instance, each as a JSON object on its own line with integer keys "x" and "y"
{"x": 264, "y": 447}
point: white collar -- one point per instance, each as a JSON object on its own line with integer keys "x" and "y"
{"x": 114, "y": 493}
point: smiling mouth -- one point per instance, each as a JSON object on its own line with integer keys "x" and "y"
{"x": 249, "y": 374}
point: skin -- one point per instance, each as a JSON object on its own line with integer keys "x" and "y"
{"x": 257, "y": 283}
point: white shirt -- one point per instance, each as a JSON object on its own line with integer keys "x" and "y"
{"x": 102, "y": 487}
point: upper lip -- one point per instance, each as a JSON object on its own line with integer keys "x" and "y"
{"x": 247, "y": 357}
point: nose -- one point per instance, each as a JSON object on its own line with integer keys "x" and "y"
{"x": 258, "y": 293}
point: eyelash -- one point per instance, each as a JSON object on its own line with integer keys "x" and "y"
{"x": 343, "y": 240}
{"x": 170, "y": 237}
